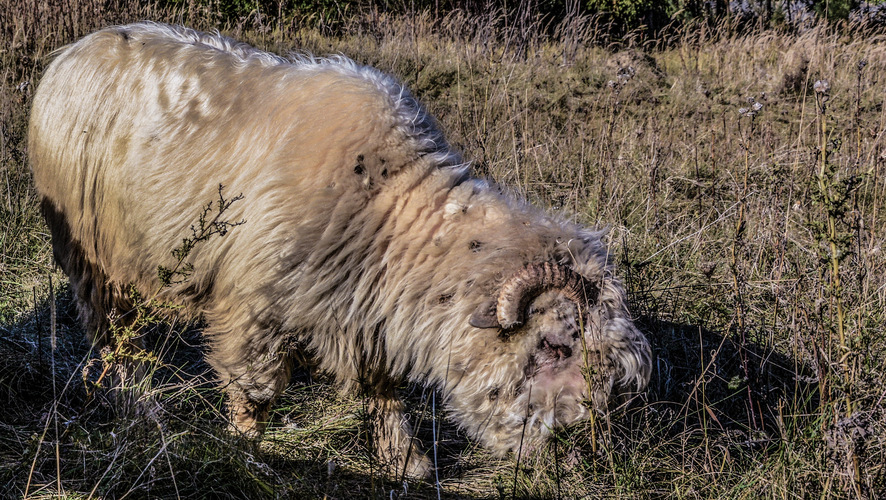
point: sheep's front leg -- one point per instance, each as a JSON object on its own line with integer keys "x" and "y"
{"x": 392, "y": 438}
{"x": 254, "y": 370}
{"x": 250, "y": 396}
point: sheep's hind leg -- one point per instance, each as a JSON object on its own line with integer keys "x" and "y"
{"x": 100, "y": 305}
{"x": 393, "y": 440}
{"x": 108, "y": 316}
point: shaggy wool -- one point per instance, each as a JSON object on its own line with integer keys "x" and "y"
{"x": 366, "y": 243}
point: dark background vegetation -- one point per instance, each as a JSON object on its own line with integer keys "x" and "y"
{"x": 746, "y": 209}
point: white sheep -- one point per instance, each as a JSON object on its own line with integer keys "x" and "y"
{"x": 368, "y": 248}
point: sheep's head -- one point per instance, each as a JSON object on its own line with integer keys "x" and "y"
{"x": 563, "y": 345}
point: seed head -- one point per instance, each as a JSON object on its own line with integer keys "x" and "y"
{"x": 755, "y": 108}
{"x": 625, "y": 74}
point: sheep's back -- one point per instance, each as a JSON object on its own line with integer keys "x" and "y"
{"x": 134, "y": 129}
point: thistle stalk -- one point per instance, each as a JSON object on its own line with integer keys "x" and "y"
{"x": 822, "y": 89}
{"x": 834, "y": 196}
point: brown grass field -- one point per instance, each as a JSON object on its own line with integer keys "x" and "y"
{"x": 746, "y": 213}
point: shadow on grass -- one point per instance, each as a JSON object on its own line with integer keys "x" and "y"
{"x": 715, "y": 408}
{"x": 707, "y": 380}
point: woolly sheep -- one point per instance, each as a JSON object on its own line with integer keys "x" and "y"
{"x": 368, "y": 248}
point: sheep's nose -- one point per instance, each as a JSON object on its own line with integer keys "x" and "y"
{"x": 560, "y": 350}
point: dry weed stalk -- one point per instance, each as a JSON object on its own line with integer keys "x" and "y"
{"x": 736, "y": 250}
{"x": 835, "y": 193}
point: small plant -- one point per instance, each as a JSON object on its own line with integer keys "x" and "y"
{"x": 205, "y": 229}
{"x": 126, "y": 348}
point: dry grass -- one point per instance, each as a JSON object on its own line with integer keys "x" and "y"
{"x": 719, "y": 224}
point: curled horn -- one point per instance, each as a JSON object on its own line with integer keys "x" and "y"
{"x": 525, "y": 285}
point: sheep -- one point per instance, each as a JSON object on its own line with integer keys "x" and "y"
{"x": 367, "y": 247}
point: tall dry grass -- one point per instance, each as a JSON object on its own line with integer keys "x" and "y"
{"x": 746, "y": 218}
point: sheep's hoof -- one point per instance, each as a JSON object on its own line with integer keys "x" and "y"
{"x": 417, "y": 466}
{"x": 247, "y": 419}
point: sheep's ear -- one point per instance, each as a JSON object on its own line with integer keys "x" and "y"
{"x": 484, "y": 316}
